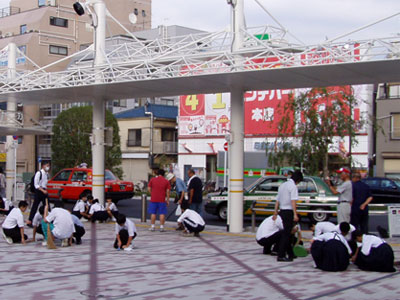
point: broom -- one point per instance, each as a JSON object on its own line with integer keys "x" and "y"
{"x": 50, "y": 242}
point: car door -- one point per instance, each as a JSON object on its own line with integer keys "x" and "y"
{"x": 265, "y": 192}
{"x": 78, "y": 184}
{"x": 375, "y": 187}
{"x": 389, "y": 191}
{"x": 60, "y": 182}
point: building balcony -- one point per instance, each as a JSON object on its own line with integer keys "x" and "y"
{"x": 8, "y": 11}
{"x": 165, "y": 147}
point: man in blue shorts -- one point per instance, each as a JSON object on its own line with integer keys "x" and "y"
{"x": 159, "y": 189}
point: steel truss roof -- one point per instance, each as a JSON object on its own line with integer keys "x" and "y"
{"x": 204, "y": 63}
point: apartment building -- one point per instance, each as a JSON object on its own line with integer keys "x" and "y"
{"x": 46, "y": 31}
{"x": 388, "y": 134}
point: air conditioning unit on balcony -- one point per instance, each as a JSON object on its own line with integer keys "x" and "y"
{"x": 7, "y": 34}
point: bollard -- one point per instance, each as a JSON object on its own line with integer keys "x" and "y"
{"x": 253, "y": 221}
{"x": 144, "y": 207}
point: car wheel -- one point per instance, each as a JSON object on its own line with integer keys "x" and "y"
{"x": 222, "y": 211}
{"x": 318, "y": 216}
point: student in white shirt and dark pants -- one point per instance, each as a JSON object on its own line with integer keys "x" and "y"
{"x": 286, "y": 202}
{"x": 40, "y": 181}
{"x": 269, "y": 234}
{"x": 374, "y": 254}
{"x": 125, "y": 231}
{"x": 13, "y": 225}
{"x": 191, "y": 220}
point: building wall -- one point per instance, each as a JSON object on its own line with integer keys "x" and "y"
{"x": 387, "y": 149}
{"x": 40, "y": 35}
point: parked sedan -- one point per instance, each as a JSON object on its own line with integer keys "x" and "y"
{"x": 384, "y": 190}
{"x": 312, "y": 191}
{"x": 73, "y": 183}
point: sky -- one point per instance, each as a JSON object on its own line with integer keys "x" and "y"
{"x": 312, "y": 21}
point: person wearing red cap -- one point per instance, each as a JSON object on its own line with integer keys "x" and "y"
{"x": 345, "y": 192}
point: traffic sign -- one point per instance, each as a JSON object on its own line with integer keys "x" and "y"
{"x": 226, "y": 146}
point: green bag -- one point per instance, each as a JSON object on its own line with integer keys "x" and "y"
{"x": 300, "y": 251}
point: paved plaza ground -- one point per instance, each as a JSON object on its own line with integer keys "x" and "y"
{"x": 218, "y": 265}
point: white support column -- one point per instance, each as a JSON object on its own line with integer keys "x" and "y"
{"x": 11, "y": 108}
{"x": 98, "y": 147}
{"x": 236, "y": 167}
{"x": 236, "y": 148}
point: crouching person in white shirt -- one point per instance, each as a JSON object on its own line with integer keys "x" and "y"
{"x": 97, "y": 212}
{"x": 330, "y": 250}
{"x": 79, "y": 229}
{"x": 13, "y": 225}
{"x": 191, "y": 220}
{"x": 269, "y": 234}
{"x": 125, "y": 231}
{"x": 374, "y": 254}
{"x": 61, "y": 225}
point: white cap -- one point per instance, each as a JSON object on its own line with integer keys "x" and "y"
{"x": 170, "y": 176}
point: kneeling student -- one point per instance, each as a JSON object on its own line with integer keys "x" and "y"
{"x": 269, "y": 234}
{"x": 374, "y": 254}
{"x": 111, "y": 209}
{"x": 330, "y": 250}
{"x": 13, "y": 225}
{"x": 97, "y": 212}
{"x": 80, "y": 208}
{"x": 5, "y": 206}
{"x": 191, "y": 220}
{"x": 61, "y": 225}
{"x": 79, "y": 229}
{"x": 125, "y": 231}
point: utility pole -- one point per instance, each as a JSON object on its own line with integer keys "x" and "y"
{"x": 236, "y": 147}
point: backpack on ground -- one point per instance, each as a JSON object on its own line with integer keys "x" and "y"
{"x": 32, "y": 186}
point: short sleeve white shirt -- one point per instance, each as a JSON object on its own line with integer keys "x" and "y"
{"x": 129, "y": 226}
{"x": 37, "y": 219}
{"x": 111, "y": 206}
{"x": 193, "y": 216}
{"x": 324, "y": 227}
{"x": 268, "y": 227}
{"x": 95, "y": 207}
{"x": 62, "y": 221}
{"x": 287, "y": 192}
{"x": 333, "y": 235}
{"x": 370, "y": 241}
{"x": 347, "y": 236}
{"x": 76, "y": 221}
{"x": 14, "y": 218}
{"x": 80, "y": 206}
{"x": 41, "y": 182}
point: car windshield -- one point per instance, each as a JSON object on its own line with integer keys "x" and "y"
{"x": 397, "y": 182}
{"x": 109, "y": 175}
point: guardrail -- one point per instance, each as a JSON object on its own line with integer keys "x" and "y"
{"x": 374, "y": 209}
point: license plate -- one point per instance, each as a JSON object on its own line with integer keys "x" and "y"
{"x": 122, "y": 187}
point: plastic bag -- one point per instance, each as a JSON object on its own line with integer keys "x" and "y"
{"x": 178, "y": 211}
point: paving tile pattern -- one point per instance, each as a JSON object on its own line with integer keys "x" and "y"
{"x": 166, "y": 265}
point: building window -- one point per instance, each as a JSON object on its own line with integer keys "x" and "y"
{"x": 58, "y": 22}
{"x": 23, "y": 29}
{"x": 143, "y": 13}
{"x": 120, "y": 103}
{"x": 41, "y": 3}
{"x": 395, "y": 126}
{"x": 60, "y": 50}
{"x": 134, "y": 137}
{"x": 168, "y": 135}
{"x": 135, "y": 11}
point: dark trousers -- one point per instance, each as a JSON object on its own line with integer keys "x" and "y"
{"x": 123, "y": 236}
{"x": 284, "y": 244}
{"x": 39, "y": 229}
{"x": 99, "y": 216}
{"x": 191, "y": 226}
{"x": 14, "y": 234}
{"x": 270, "y": 241}
{"x": 359, "y": 219}
{"x": 79, "y": 233}
{"x": 77, "y": 214}
{"x": 39, "y": 198}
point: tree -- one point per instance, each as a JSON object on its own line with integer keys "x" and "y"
{"x": 309, "y": 124}
{"x": 71, "y": 144}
